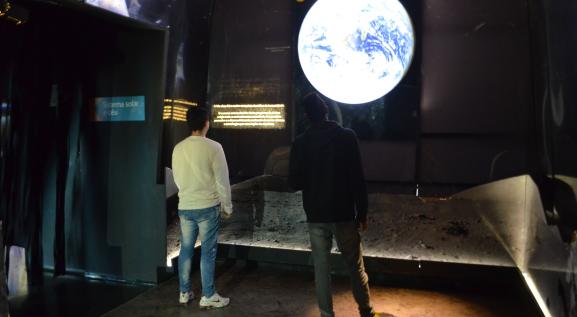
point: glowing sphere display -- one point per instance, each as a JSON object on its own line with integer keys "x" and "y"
{"x": 355, "y": 51}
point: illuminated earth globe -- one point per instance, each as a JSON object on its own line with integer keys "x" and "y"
{"x": 355, "y": 51}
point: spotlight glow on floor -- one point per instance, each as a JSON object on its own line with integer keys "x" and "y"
{"x": 537, "y": 295}
{"x": 355, "y": 51}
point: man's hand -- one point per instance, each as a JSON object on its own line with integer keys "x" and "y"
{"x": 225, "y": 215}
{"x": 362, "y": 225}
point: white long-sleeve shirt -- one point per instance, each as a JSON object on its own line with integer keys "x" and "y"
{"x": 201, "y": 174}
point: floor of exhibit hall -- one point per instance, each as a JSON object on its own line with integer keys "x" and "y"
{"x": 276, "y": 290}
{"x": 72, "y": 296}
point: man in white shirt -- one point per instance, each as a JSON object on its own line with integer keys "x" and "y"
{"x": 201, "y": 175}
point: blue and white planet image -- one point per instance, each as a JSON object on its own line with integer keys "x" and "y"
{"x": 355, "y": 51}
{"x": 116, "y": 6}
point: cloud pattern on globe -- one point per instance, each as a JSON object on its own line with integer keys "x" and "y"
{"x": 355, "y": 51}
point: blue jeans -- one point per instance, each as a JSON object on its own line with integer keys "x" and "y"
{"x": 349, "y": 243}
{"x": 195, "y": 222}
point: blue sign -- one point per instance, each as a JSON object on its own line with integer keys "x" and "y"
{"x": 129, "y": 108}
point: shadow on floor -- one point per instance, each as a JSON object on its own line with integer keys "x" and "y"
{"x": 72, "y": 296}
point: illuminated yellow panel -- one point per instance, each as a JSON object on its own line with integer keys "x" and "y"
{"x": 181, "y": 102}
{"x": 255, "y": 116}
{"x": 175, "y": 109}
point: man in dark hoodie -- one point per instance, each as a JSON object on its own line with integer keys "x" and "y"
{"x": 325, "y": 164}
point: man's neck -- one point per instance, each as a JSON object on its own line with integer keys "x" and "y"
{"x": 197, "y": 133}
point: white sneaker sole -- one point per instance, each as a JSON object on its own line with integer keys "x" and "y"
{"x": 213, "y": 305}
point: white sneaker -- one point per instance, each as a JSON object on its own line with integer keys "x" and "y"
{"x": 186, "y": 297}
{"x": 215, "y": 301}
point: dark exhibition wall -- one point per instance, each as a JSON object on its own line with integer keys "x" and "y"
{"x": 125, "y": 157}
{"x": 476, "y": 98}
{"x": 187, "y": 67}
{"x": 251, "y": 62}
{"x": 79, "y": 187}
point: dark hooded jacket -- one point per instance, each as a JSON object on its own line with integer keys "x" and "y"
{"x": 325, "y": 164}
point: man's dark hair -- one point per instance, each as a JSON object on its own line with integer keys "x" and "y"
{"x": 196, "y": 117}
{"x": 315, "y": 107}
